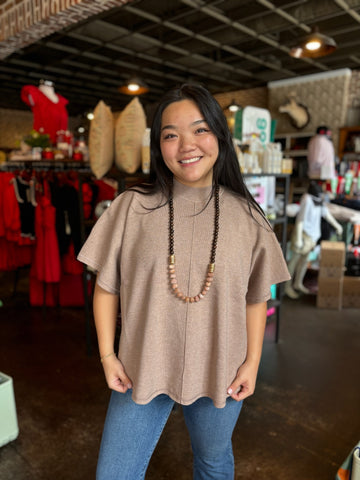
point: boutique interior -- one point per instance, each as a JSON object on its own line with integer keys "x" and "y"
{"x": 79, "y": 86}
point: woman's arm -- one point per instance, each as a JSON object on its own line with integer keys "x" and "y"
{"x": 244, "y": 384}
{"x": 106, "y": 306}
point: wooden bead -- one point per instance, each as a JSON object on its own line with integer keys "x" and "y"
{"x": 211, "y": 265}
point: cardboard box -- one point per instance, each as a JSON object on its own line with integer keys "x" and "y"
{"x": 351, "y": 292}
{"x": 332, "y": 254}
{"x": 330, "y": 293}
{"x": 9, "y": 429}
{"x": 331, "y": 272}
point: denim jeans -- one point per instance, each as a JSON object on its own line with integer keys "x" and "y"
{"x": 132, "y": 431}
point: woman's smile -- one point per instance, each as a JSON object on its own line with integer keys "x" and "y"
{"x": 189, "y": 160}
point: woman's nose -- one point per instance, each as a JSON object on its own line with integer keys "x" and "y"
{"x": 187, "y": 143}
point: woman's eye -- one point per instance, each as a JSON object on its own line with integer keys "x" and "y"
{"x": 169, "y": 136}
{"x": 202, "y": 130}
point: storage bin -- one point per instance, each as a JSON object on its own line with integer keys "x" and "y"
{"x": 9, "y": 429}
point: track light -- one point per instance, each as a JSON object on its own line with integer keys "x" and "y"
{"x": 314, "y": 45}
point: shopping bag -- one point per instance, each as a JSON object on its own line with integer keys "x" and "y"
{"x": 350, "y": 469}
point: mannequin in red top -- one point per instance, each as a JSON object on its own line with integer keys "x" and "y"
{"x": 48, "y": 107}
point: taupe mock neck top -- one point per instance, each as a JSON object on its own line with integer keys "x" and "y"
{"x": 186, "y": 351}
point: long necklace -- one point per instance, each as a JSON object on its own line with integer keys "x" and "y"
{"x": 211, "y": 265}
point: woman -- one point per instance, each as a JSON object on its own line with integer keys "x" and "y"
{"x": 193, "y": 259}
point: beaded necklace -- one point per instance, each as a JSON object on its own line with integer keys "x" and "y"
{"x": 211, "y": 265}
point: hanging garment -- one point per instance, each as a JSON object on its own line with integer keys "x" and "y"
{"x": 46, "y": 269}
{"x": 25, "y": 195}
{"x": 15, "y": 251}
{"x": 66, "y": 201}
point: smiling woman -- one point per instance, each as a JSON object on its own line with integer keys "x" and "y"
{"x": 192, "y": 332}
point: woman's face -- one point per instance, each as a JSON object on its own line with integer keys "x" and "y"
{"x": 189, "y": 148}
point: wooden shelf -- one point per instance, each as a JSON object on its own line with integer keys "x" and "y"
{"x": 345, "y": 135}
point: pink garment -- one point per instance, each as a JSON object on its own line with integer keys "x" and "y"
{"x": 321, "y": 158}
{"x": 49, "y": 117}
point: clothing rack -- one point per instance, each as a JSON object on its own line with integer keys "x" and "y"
{"x": 38, "y": 165}
{"x": 83, "y": 170}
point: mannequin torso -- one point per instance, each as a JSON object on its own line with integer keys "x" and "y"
{"x": 49, "y": 92}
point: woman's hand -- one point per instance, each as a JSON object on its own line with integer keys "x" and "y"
{"x": 244, "y": 383}
{"x": 115, "y": 374}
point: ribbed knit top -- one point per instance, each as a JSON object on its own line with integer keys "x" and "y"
{"x": 186, "y": 351}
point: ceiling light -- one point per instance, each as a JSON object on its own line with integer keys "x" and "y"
{"x": 314, "y": 45}
{"x": 233, "y": 107}
{"x": 134, "y": 86}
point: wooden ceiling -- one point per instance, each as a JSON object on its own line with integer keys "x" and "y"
{"x": 226, "y": 45}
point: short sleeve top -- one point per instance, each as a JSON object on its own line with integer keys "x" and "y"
{"x": 49, "y": 117}
{"x": 310, "y": 214}
{"x": 186, "y": 351}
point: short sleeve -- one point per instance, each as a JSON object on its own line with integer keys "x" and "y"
{"x": 268, "y": 266}
{"x": 29, "y": 95}
{"x": 101, "y": 250}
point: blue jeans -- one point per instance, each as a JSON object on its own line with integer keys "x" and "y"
{"x": 132, "y": 431}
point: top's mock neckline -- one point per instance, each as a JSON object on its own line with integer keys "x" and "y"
{"x": 194, "y": 194}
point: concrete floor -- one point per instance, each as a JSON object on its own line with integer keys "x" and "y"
{"x": 301, "y": 423}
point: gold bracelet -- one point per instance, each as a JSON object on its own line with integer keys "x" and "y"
{"x": 106, "y": 356}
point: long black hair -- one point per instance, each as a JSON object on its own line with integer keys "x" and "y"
{"x": 226, "y": 169}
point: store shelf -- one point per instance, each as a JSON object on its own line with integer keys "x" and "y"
{"x": 282, "y": 185}
{"x": 346, "y": 141}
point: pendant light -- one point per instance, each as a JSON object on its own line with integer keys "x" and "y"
{"x": 314, "y": 45}
{"x": 233, "y": 107}
{"x": 134, "y": 86}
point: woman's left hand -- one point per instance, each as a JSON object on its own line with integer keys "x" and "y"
{"x": 244, "y": 383}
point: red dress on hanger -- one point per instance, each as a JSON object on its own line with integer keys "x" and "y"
{"x": 45, "y": 271}
{"x": 15, "y": 251}
{"x": 49, "y": 117}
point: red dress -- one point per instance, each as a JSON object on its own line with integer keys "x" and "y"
{"x": 14, "y": 250}
{"x": 45, "y": 271}
{"x": 49, "y": 117}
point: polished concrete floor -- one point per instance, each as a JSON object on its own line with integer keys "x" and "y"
{"x": 301, "y": 423}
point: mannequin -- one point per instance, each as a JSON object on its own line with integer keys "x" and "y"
{"x": 321, "y": 155}
{"x": 305, "y": 236}
{"x": 48, "y": 107}
{"x": 47, "y": 88}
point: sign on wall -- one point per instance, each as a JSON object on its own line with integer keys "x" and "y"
{"x": 253, "y": 121}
